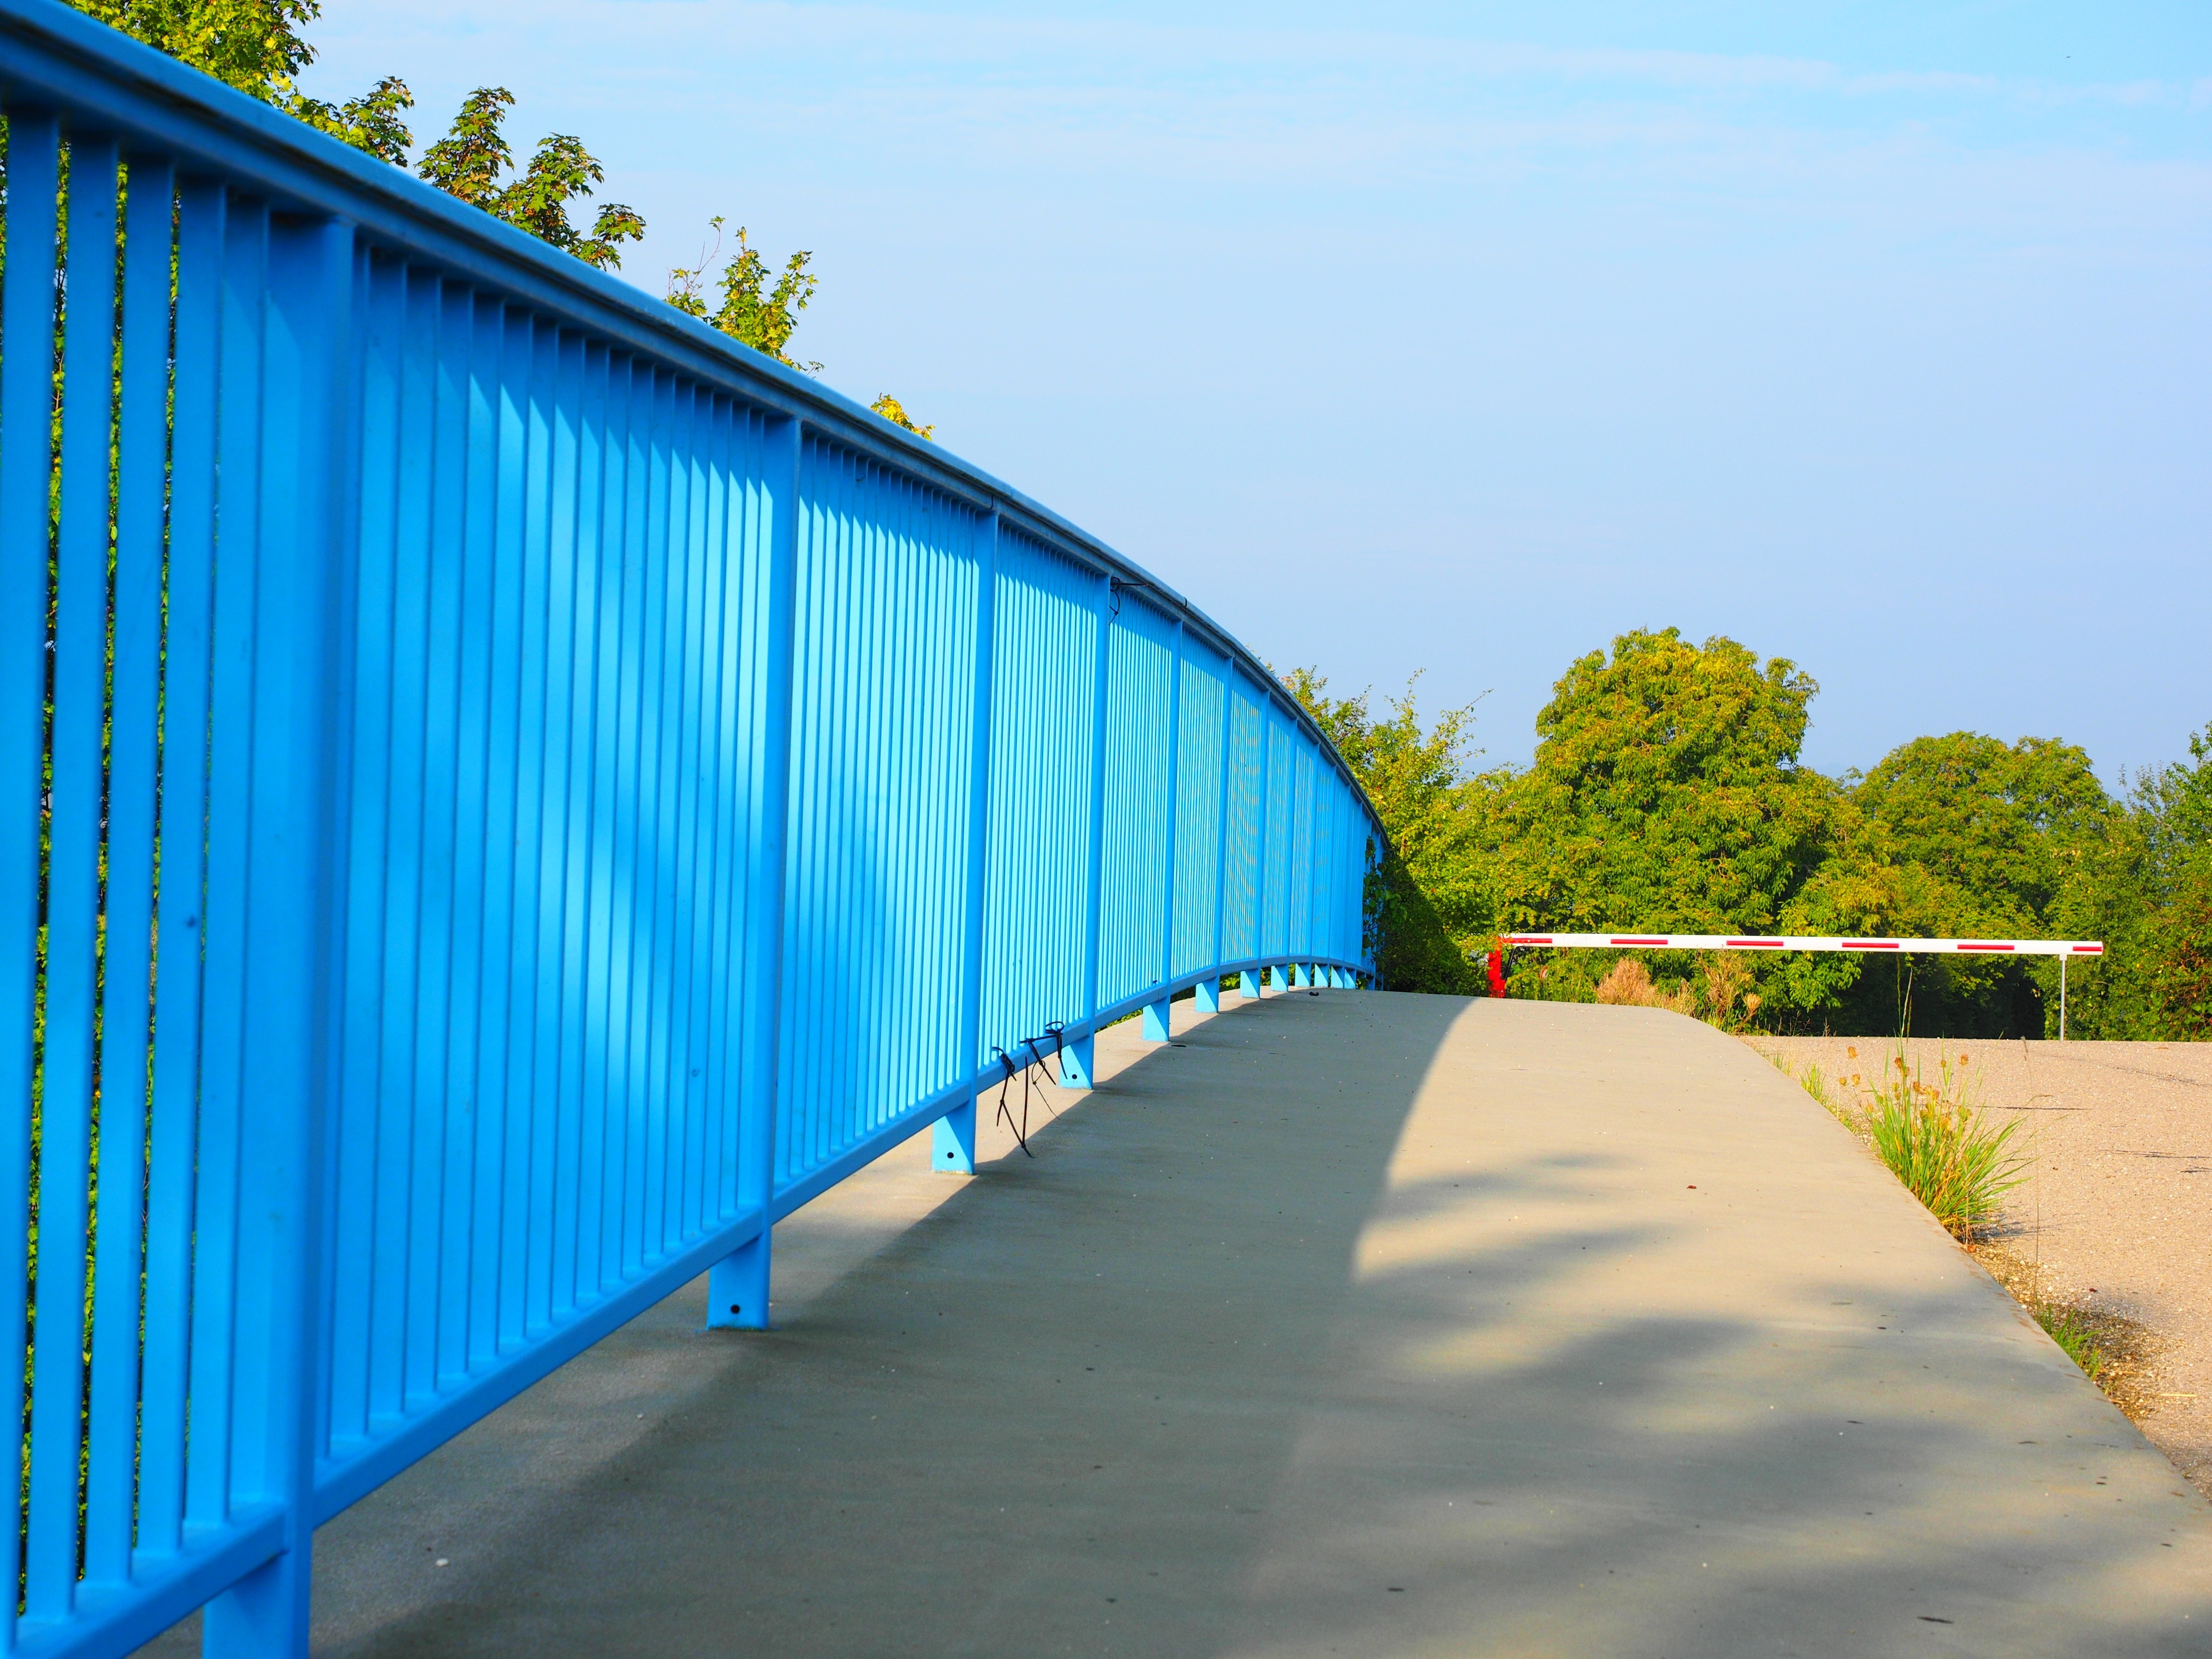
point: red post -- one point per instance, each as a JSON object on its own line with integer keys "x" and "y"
{"x": 1498, "y": 973}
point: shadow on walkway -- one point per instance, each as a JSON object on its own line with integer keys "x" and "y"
{"x": 1350, "y": 1324}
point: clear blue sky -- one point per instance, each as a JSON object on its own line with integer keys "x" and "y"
{"x": 1460, "y": 338}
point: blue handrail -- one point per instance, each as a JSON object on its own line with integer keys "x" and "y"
{"x": 503, "y": 794}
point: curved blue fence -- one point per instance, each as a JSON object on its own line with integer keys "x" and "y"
{"x": 502, "y": 795}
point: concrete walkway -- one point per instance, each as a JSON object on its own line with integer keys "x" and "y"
{"x": 1352, "y": 1324}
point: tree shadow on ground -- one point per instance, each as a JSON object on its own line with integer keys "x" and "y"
{"x": 1266, "y": 1352}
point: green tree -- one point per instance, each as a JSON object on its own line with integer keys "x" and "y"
{"x": 2003, "y": 824}
{"x": 752, "y": 309}
{"x": 2143, "y": 886}
{"x": 1997, "y": 831}
{"x": 255, "y": 46}
{"x": 759, "y": 306}
{"x": 2180, "y": 953}
{"x": 1666, "y": 792}
{"x": 469, "y": 161}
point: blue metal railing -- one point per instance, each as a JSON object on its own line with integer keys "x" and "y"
{"x": 502, "y": 795}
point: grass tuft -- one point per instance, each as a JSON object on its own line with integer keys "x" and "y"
{"x": 1936, "y": 1139}
{"x": 2070, "y": 1331}
{"x": 2119, "y": 1355}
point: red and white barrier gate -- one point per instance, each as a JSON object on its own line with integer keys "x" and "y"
{"x": 2064, "y": 949}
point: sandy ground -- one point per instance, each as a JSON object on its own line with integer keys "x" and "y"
{"x": 2117, "y": 1212}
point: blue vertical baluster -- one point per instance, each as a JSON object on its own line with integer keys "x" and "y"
{"x": 599, "y": 484}
{"x": 25, "y": 478}
{"x": 451, "y": 844}
{"x": 492, "y": 632}
{"x": 209, "y": 1484}
{"x": 952, "y": 1138}
{"x": 522, "y": 487}
{"x": 363, "y": 1113}
{"x": 574, "y": 520}
{"x": 394, "y": 432}
{"x": 142, "y": 461}
{"x": 26, "y": 387}
{"x": 173, "y": 1139}
{"x": 68, "y": 1102}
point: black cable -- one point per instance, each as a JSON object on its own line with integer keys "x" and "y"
{"x": 1036, "y": 1062}
{"x": 1021, "y": 1132}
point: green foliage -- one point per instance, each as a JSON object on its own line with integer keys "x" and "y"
{"x": 2143, "y": 884}
{"x": 751, "y": 310}
{"x": 371, "y": 122}
{"x": 1431, "y": 905}
{"x": 251, "y": 45}
{"x": 1667, "y": 792}
{"x": 1936, "y": 1140}
{"x": 256, "y": 46}
{"x": 469, "y": 161}
{"x": 894, "y": 411}
{"x": 1985, "y": 837}
{"x": 2005, "y": 825}
{"x": 1667, "y": 789}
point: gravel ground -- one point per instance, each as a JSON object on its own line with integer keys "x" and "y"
{"x": 2117, "y": 1212}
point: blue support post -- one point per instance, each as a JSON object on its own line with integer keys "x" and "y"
{"x": 952, "y": 1137}
{"x": 1160, "y": 1022}
{"x": 952, "y": 1140}
{"x": 1247, "y": 985}
{"x": 286, "y": 1082}
{"x": 1209, "y": 988}
{"x": 738, "y": 1285}
{"x": 1075, "y": 1062}
{"x": 1259, "y": 827}
{"x": 1076, "y": 1070}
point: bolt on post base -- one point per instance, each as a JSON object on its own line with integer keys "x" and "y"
{"x": 952, "y": 1142}
{"x": 737, "y": 1287}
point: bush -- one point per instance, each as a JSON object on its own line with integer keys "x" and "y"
{"x": 1628, "y": 984}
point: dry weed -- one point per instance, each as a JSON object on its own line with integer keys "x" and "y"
{"x": 1628, "y": 984}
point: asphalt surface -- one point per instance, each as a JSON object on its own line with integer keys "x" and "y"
{"x": 1350, "y": 1324}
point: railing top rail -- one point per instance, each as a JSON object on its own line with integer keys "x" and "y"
{"x": 54, "y": 56}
